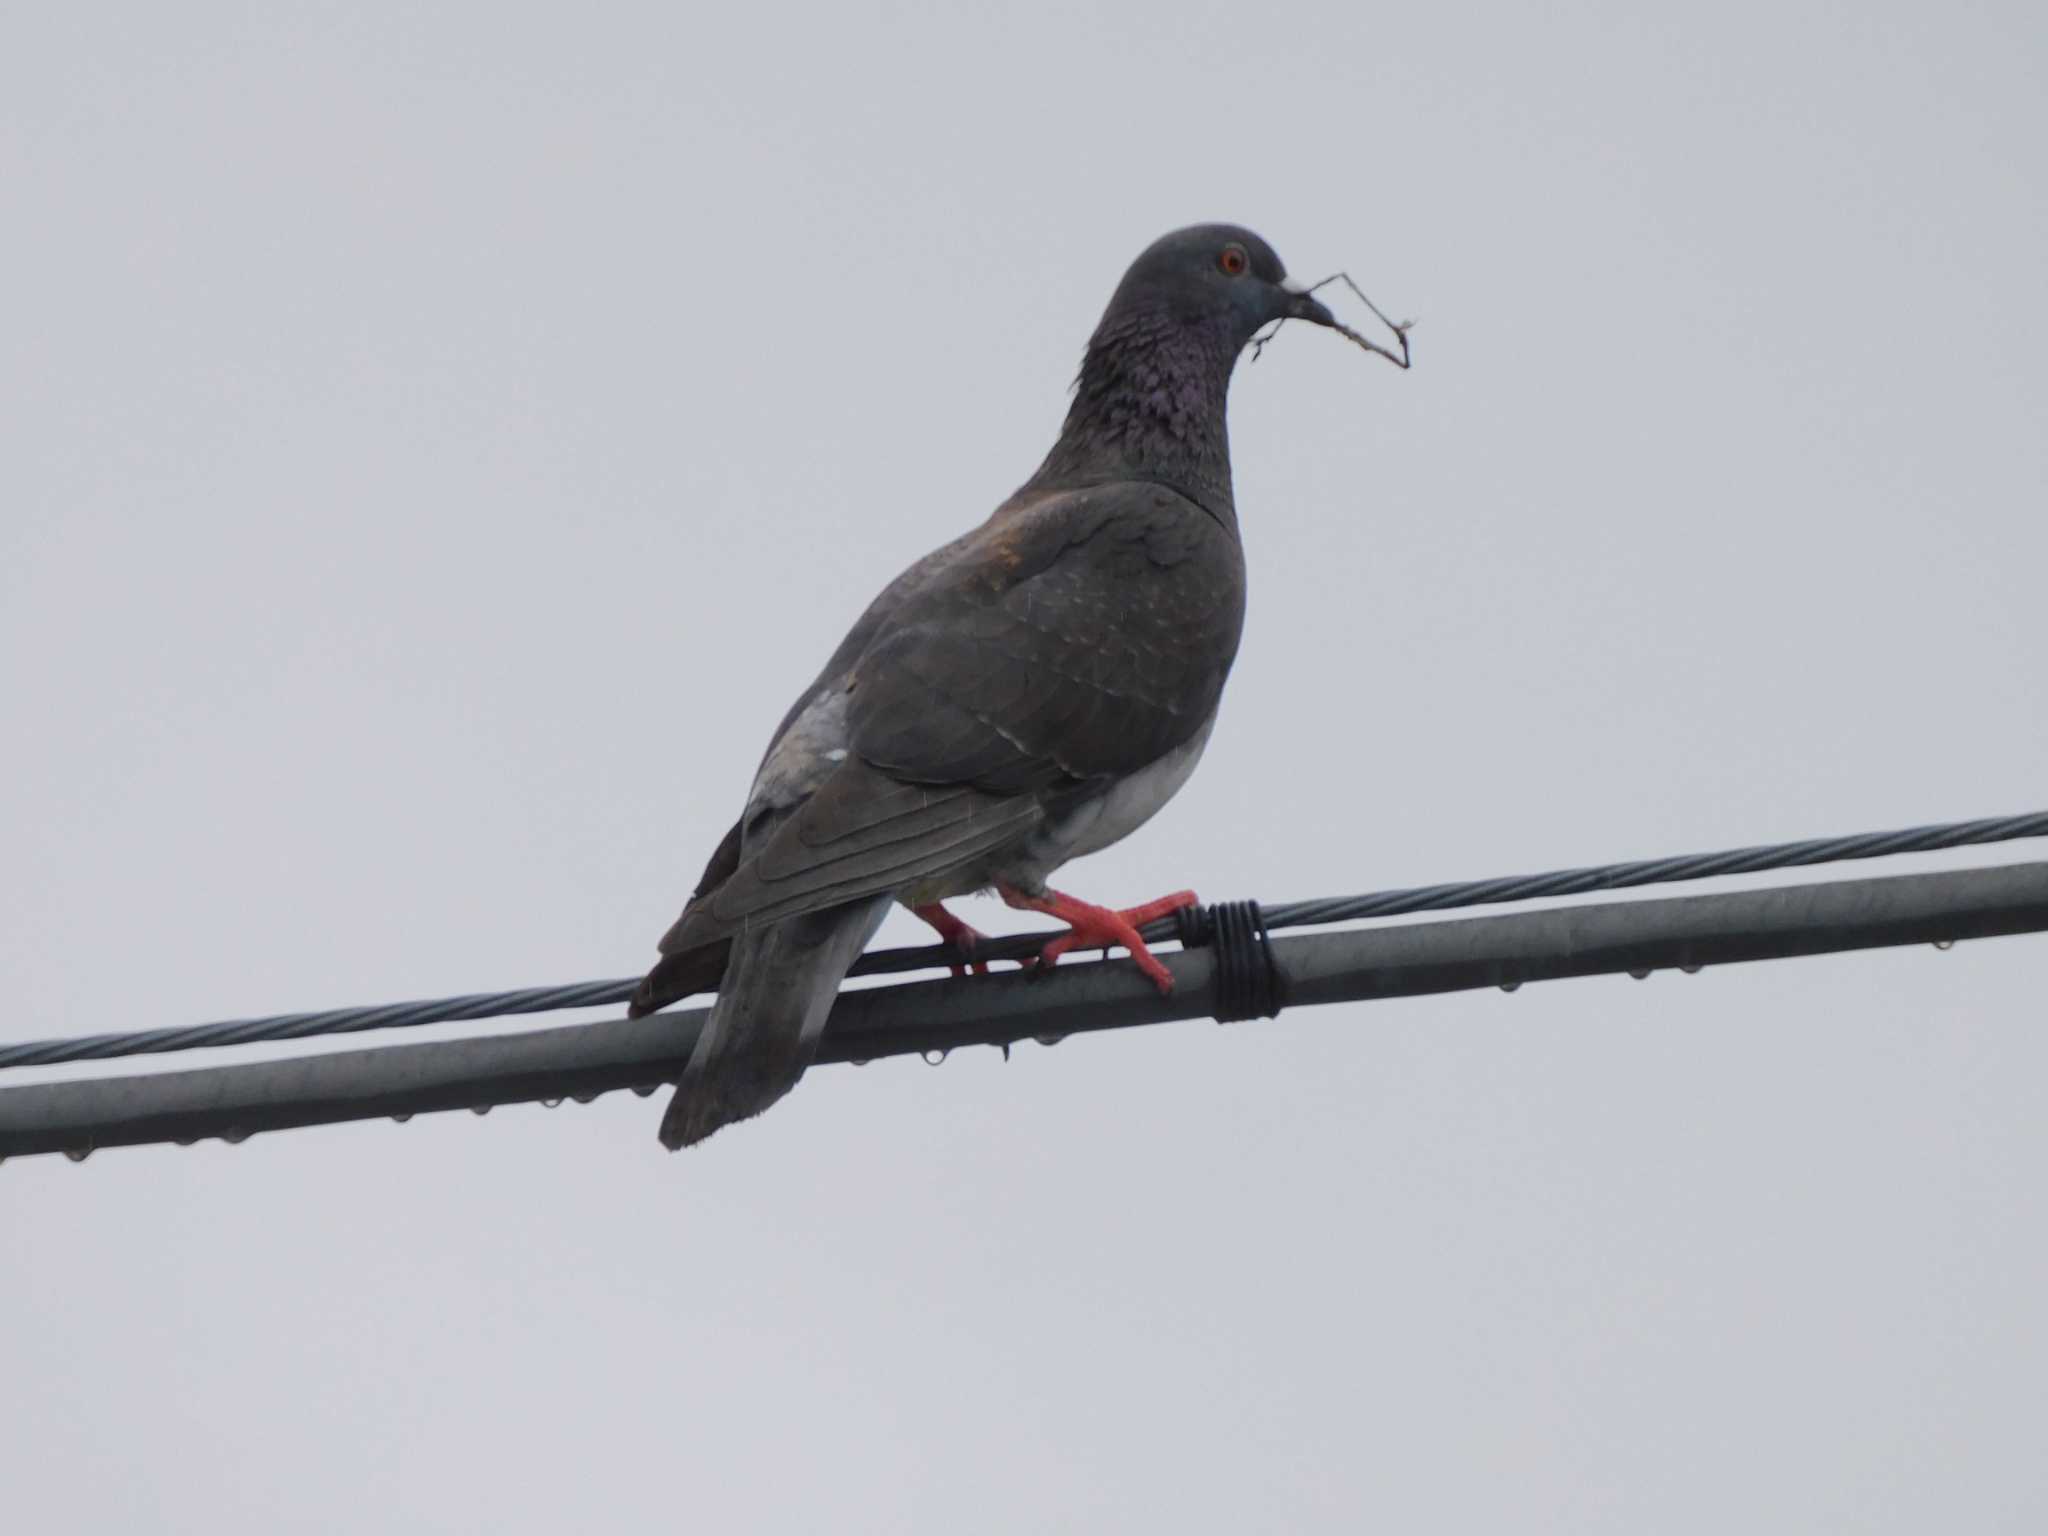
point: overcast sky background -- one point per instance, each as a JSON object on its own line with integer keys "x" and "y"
{"x": 438, "y": 447}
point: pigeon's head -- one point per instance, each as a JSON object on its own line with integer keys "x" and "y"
{"x": 1211, "y": 273}
{"x": 1149, "y": 402}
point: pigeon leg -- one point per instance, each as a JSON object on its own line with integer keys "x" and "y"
{"x": 1093, "y": 927}
{"x": 954, "y": 932}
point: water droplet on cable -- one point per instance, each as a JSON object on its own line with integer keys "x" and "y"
{"x": 644, "y": 1090}
{"x": 1048, "y": 1041}
{"x": 858, "y": 1061}
{"x": 1692, "y": 970}
{"x": 1944, "y": 945}
{"x": 1642, "y": 975}
{"x": 234, "y": 1135}
{"x": 479, "y": 1109}
{"x": 554, "y": 1103}
{"x": 584, "y": 1098}
{"x": 78, "y": 1154}
{"x": 400, "y": 1119}
{"x": 934, "y": 1057}
{"x": 1511, "y": 986}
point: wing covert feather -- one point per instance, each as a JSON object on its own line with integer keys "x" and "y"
{"x": 1073, "y": 637}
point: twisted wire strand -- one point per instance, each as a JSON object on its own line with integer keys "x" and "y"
{"x": 1296, "y": 914}
{"x": 1691, "y": 866}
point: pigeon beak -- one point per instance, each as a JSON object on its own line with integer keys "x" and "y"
{"x": 1302, "y": 305}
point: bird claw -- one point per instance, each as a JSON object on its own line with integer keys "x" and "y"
{"x": 1093, "y": 927}
{"x": 960, "y": 935}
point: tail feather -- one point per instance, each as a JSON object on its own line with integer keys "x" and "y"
{"x": 764, "y": 1029}
{"x": 681, "y": 975}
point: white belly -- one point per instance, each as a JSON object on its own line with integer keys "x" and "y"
{"x": 1128, "y": 805}
{"x": 1088, "y": 828}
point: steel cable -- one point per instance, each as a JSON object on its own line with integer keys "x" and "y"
{"x": 1296, "y": 914}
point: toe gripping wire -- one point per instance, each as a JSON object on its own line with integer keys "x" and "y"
{"x": 1248, "y": 983}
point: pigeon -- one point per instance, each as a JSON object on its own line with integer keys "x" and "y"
{"x": 1031, "y": 692}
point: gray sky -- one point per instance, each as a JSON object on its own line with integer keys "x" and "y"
{"x": 439, "y": 447}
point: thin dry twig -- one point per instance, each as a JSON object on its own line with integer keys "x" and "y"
{"x": 1400, "y": 328}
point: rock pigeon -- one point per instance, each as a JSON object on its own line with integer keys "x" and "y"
{"x": 1031, "y": 692}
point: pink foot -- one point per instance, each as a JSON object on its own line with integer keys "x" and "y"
{"x": 954, "y": 932}
{"x": 1093, "y": 927}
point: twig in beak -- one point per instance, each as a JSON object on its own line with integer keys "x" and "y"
{"x": 1400, "y": 328}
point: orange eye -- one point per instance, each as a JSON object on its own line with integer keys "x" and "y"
{"x": 1234, "y": 260}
